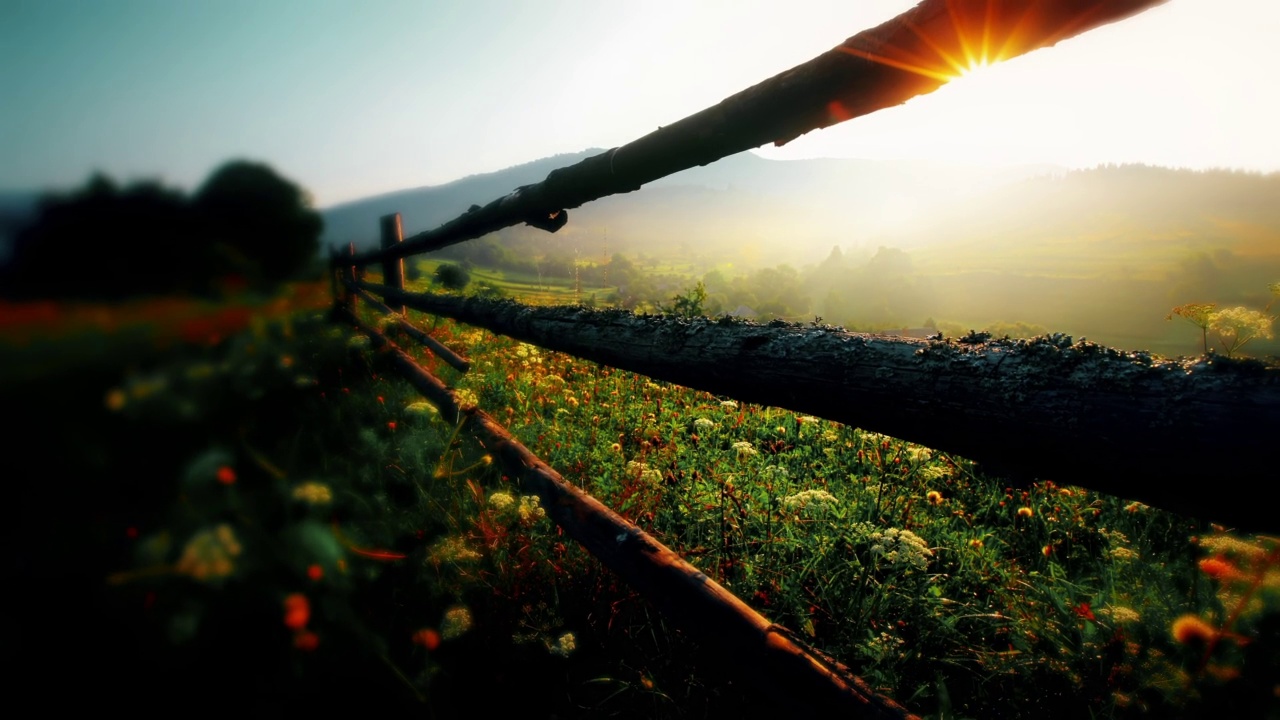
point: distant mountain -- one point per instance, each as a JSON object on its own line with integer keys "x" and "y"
{"x": 806, "y": 205}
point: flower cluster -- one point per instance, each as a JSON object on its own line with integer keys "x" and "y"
{"x": 313, "y": 493}
{"x": 422, "y": 407}
{"x": 643, "y": 472}
{"x": 744, "y": 449}
{"x": 932, "y": 473}
{"x": 208, "y": 554}
{"x": 457, "y": 621}
{"x": 810, "y": 502}
{"x": 703, "y": 425}
{"x": 728, "y": 404}
{"x": 501, "y": 501}
{"x": 564, "y": 646}
{"x": 531, "y": 510}
{"x": 452, "y": 548}
{"x": 901, "y": 547}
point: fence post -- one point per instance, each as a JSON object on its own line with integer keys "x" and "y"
{"x": 352, "y": 274}
{"x": 392, "y": 268}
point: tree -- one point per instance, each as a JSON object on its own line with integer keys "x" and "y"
{"x": 106, "y": 242}
{"x": 452, "y": 277}
{"x": 689, "y": 304}
{"x": 257, "y": 216}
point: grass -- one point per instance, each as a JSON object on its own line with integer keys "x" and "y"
{"x": 269, "y": 521}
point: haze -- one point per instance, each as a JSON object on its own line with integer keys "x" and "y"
{"x": 353, "y": 100}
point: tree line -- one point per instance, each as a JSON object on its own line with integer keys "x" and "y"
{"x": 245, "y": 227}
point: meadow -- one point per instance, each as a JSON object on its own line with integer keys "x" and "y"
{"x": 262, "y": 517}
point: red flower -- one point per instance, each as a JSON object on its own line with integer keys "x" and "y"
{"x": 315, "y": 572}
{"x": 306, "y": 640}
{"x": 226, "y": 475}
{"x": 297, "y": 611}
{"x": 1084, "y": 611}
{"x": 391, "y": 424}
{"x": 428, "y": 638}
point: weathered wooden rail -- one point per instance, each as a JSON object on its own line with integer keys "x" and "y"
{"x": 896, "y": 388}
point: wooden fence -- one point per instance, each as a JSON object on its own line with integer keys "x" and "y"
{"x": 1124, "y": 421}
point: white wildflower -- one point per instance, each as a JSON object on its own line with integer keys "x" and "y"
{"x": 643, "y": 472}
{"x": 452, "y": 548}
{"x": 208, "y": 554}
{"x": 728, "y": 404}
{"x": 501, "y": 501}
{"x": 703, "y": 425}
{"x": 744, "y": 449}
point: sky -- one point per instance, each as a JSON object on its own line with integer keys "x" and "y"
{"x": 352, "y": 99}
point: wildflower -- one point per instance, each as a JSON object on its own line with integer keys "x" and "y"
{"x": 466, "y": 398}
{"x": 1123, "y": 554}
{"x": 812, "y": 500}
{"x": 643, "y": 472}
{"x": 728, "y": 404}
{"x": 306, "y": 640}
{"x": 297, "y": 611}
{"x": 1025, "y": 512}
{"x": 531, "y": 510}
{"x": 452, "y": 549}
{"x": 457, "y": 621}
{"x": 313, "y": 493}
{"x": 315, "y": 572}
{"x": 358, "y": 342}
{"x": 933, "y": 473}
{"x": 703, "y": 425}
{"x": 615, "y": 448}
{"x": 803, "y": 419}
{"x": 1224, "y": 544}
{"x": 934, "y": 497}
{"x": 115, "y": 399}
{"x": 1219, "y": 568}
{"x": 774, "y": 473}
{"x": 1134, "y": 506}
{"x": 208, "y": 554}
{"x": 422, "y": 407}
{"x": 501, "y": 501}
{"x": 1190, "y": 628}
{"x": 975, "y": 543}
{"x": 428, "y": 638}
{"x": 744, "y": 449}
{"x": 919, "y": 454}
{"x": 226, "y": 475}
{"x": 1121, "y": 614}
{"x": 564, "y": 646}
{"x": 901, "y": 547}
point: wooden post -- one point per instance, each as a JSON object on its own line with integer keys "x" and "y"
{"x": 392, "y": 268}
{"x": 351, "y": 274}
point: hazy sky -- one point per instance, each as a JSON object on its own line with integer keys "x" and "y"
{"x": 356, "y": 98}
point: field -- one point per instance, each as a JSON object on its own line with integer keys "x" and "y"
{"x": 258, "y": 516}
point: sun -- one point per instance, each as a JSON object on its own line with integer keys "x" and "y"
{"x": 975, "y": 67}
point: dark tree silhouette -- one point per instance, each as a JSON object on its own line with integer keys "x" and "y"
{"x": 253, "y": 216}
{"x": 104, "y": 242}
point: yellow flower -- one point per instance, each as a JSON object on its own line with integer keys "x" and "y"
{"x": 314, "y": 493}
{"x": 934, "y": 497}
{"x": 1025, "y": 512}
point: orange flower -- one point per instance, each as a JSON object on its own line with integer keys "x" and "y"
{"x": 297, "y": 611}
{"x": 934, "y": 497}
{"x": 1219, "y": 568}
{"x": 226, "y": 475}
{"x": 1190, "y": 627}
{"x": 315, "y": 572}
{"x": 1025, "y": 512}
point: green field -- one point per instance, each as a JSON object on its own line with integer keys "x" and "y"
{"x": 268, "y": 519}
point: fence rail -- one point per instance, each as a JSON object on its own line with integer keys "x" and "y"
{"x": 894, "y": 386}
